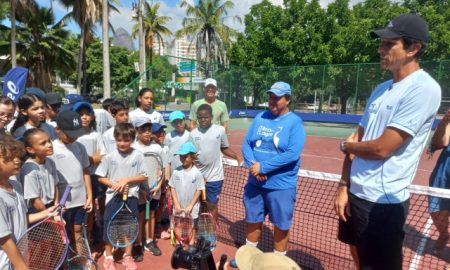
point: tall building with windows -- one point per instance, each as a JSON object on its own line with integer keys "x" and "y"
{"x": 160, "y": 48}
{"x": 184, "y": 49}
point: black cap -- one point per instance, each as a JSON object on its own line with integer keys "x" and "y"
{"x": 406, "y": 25}
{"x": 53, "y": 98}
{"x": 70, "y": 123}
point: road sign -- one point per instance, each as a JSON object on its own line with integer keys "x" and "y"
{"x": 188, "y": 66}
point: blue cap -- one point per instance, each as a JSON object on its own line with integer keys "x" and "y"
{"x": 186, "y": 148}
{"x": 82, "y": 105}
{"x": 35, "y": 91}
{"x": 140, "y": 121}
{"x": 73, "y": 98}
{"x": 157, "y": 126}
{"x": 176, "y": 115}
{"x": 280, "y": 89}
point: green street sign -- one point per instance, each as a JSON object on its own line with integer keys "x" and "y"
{"x": 189, "y": 66}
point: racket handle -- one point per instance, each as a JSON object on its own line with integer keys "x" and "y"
{"x": 223, "y": 260}
{"x": 66, "y": 193}
{"x": 125, "y": 193}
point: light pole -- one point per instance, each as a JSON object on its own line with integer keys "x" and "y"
{"x": 137, "y": 9}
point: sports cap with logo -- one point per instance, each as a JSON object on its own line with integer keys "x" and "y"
{"x": 406, "y": 25}
{"x": 176, "y": 115}
{"x": 186, "y": 148}
{"x": 210, "y": 81}
{"x": 280, "y": 89}
{"x": 70, "y": 123}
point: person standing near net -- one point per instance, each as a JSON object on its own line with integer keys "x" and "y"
{"x": 381, "y": 157}
{"x": 271, "y": 149}
{"x": 439, "y": 208}
{"x": 219, "y": 108}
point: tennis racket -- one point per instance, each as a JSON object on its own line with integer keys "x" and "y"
{"x": 79, "y": 253}
{"x": 206, "y": 223}
{"x": 183, "y": 225}
{"x": 44, "y": 245}
{"x": 123, "y": 227}
{"x": 155, "y": 176}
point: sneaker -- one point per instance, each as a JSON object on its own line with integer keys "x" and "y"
{"x": 138, "y": 253}
{"x": 108, "y": 264}
{"x": 129, "y": 263}
{"x": 152, "y": 248}
{"x": 233, "y": 263}
{"x": 165, "y": 235}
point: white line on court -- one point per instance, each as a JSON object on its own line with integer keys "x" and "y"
{"x": 420, "y": 248}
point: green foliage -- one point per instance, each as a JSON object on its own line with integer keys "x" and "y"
{"x": 4, "y": 9}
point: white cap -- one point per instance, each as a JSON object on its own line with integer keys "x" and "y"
{"x": 210, "y": 81}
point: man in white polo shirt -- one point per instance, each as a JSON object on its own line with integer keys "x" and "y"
{"x": 381, "y": 157}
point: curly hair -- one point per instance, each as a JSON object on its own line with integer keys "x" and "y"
{"x": 11, "y": 148}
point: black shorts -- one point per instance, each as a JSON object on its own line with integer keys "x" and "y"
{"x": 377, "y": 231}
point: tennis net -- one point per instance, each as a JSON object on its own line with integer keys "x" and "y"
{"x": 313, "y": 240}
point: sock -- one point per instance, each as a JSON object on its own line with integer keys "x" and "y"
{"x": 148, "y": 241}
{"x": 280, "y": 252}
{"x": 250, "y": 243}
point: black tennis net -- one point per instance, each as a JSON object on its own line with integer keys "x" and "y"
{"x": 312, "y": 242}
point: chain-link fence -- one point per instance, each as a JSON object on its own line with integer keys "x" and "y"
{"x": 337, "y": 89}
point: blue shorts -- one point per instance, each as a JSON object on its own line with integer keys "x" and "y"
{"x": 98, "y": 189}
{"x": 75, "y": 216}
{"x": 213, "y": 190}
{"x": 111, "y": 208}
{"x": 279, "y": 204}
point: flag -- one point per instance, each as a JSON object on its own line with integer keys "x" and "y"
{"x": 14, "y": 83}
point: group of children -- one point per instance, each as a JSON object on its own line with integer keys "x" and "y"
{"x": 101, "y": 166}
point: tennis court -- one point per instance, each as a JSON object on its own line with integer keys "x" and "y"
{"x": 313, "y": 242}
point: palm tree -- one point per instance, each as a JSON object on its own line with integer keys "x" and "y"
{"x": 17, "y": 7}
{"x": 206, "y": 22}
{"x": 85, "y": 13}
{"x": 154, "y": 28}
{"x": 40, "y": 45}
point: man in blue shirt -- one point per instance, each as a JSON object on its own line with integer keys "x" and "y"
{"x": 381, "y": 157}
{"x": 271, "y": 151}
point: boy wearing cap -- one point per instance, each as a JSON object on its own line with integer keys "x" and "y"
{"x": 145, "y": 145}
{"x": 119, "y": 169}
{"x": 119, "y": 111}
{"x": 381, "y": 157}
{"x": 72, "y": 164}
{"x": 211, "y": 141}
{"x": 219, "y": 108}
{"x": 186, "y": 184}
{"x": 53, "y": 102}
{"x": 176, "y": 137}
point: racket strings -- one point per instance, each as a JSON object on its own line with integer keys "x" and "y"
{"x": 183, "y": 227}
{"x": 44, "y": 246}
{"x": 122, "y": 230}
{"x": 80, "y": 256}
{"x": 207, "y": 228}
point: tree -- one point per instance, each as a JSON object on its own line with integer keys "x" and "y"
{"x": 154, "y": 27}
{"x": 40, "y": 47}
{"x": 206, "y": 22}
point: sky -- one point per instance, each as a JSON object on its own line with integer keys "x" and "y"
{"x": 167, "y": 7}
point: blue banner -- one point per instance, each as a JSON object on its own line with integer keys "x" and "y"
{"x": 14, "y": 83}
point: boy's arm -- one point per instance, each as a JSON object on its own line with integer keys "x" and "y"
{"x": 56, "y": 196}
{"x": 32, "y": 218}
{"x": 193, "y": 201}
{"x": 12, "y": 252}
{"x": 37, "y": 204}
{"x": 229, "y": 152}
{"x": 87, "y": 181}
{"x": 176, "y": 203}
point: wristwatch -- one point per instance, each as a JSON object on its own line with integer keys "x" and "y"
{"x": 342, "y": 146}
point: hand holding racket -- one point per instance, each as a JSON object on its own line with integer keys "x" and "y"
{"x": 44, "y": 245}
{"x": 206, "y": 223}
{"x": 122, "y": 229}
